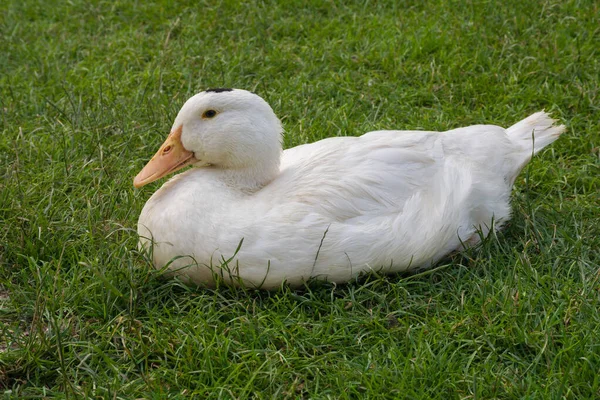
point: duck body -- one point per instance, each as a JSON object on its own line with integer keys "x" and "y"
{"x": 386, "y": 201}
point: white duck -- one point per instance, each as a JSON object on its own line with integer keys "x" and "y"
{"x": 259, "y": 216}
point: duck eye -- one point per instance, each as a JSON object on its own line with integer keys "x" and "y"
{"x": 209, "y": 114}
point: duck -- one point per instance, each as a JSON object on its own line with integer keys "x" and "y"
{"x": 249, "y": 213}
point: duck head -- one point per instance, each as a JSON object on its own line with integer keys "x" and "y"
{"x": 230, "y": 129}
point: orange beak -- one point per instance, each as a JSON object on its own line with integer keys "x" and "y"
{"x": 171, "y": 157}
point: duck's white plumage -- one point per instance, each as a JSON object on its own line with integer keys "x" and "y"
{"x": 386, "y": 201}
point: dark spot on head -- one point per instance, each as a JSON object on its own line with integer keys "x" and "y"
{"x": 219, "y": 90}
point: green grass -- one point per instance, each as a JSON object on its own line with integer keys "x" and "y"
{"x": 88, "y": 93}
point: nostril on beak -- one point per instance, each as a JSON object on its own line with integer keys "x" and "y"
{"x": 167, "y": 149}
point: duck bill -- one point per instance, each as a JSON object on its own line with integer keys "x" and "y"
{"x": 171, "y": 157}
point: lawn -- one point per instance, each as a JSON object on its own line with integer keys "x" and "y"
{"x": 88, "y": 91}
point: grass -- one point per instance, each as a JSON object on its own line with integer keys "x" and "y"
{"x": 88, "y": 91}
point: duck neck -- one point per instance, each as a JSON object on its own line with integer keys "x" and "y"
{"x": 252, "y": 178}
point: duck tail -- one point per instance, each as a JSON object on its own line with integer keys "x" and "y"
{"x": 535, "y": 132}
